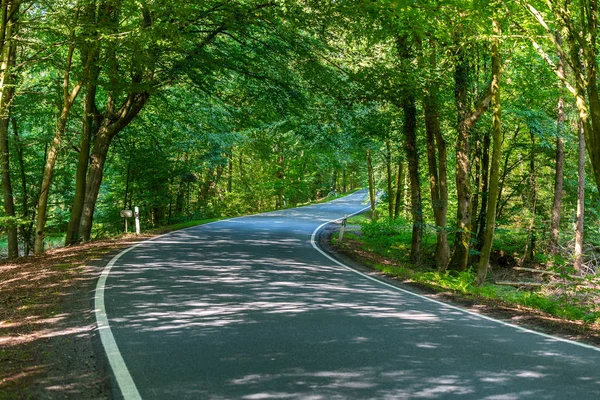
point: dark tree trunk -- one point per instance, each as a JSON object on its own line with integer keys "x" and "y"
{"x": 410, "y": 131}
{"x": 109, "y": 129}
{"x": 371, "y": 185}
{"x": 488, "y": 238}
{"x": 559, "y": 168}
{"x": 481, "y": 218}
{"x": 8, "y": 31}
{"x": 390, "y": 190}
{"x": 578, "y": 257}
{"x": 399, "y": 189}
{"x": 466, "y": 120}
{"x": 437, "y": 176}
{"x": 460, "y": 256}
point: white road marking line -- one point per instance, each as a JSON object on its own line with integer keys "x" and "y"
{"x": 520, "y": 328}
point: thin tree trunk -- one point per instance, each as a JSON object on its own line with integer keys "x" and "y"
{"x": 399, "y": 189}
{"x": 68, "y": 99}
{"x": 475, "y": 201}
{"x": 410, "y": 131}
{"x": 371, "y": 185}
{"x": 578, "y": 257}
{"x": 439, "y": 192}
{"x": 230, "y": 172}
{"x": 530, "y": 244}
{"x": 390, "y": 190}
{"x": 560, "y": 161}
{"x": 485, "y": 170}
{"x": 460, "y": 255}
{"x": 25, "y": 229}
{"x": 495, "y": 164}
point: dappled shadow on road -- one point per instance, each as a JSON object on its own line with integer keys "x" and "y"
{"x": 247, "y": 309}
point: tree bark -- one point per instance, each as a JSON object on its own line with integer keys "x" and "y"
{"x": 68, "y": 100}
{"x": 531, "y": 238}
{"x": 578, "y": 256}
{"x": 399, "y": 189}
{"x": 485, "y": 171}
{"x": 390, "y": 189}
{"x": 25, "y": 228}
{"x": 8, "y": 28}
{"x": 371, "y": 185}
{"x": 495, "y": 167}
{"x": 109, "y": 129}
{"x": 559, "y": 164}
{"x": 437, "y": 176}
{"x": 466, "y": 120}
{"x": 90, "y": 127}
{"x": 410, "y": 131}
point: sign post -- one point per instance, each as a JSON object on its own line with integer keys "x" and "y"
{"x": 137, "y": 220}
{"x": 126, "y": 214}
{"x": 343, "y": 229}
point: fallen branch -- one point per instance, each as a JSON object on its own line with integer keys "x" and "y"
{"x": 520, "y": 284}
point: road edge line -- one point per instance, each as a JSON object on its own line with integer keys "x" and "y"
{"x": 381, "y": 282}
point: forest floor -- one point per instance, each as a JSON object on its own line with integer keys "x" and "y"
{"x": 49, "y": 347}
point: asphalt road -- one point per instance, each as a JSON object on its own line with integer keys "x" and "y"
{"x": 248, "y": 309}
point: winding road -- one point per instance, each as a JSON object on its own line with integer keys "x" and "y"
{"x": 249, "y": 308}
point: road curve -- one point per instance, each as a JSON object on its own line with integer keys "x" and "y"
{"x": 248, "y": 309}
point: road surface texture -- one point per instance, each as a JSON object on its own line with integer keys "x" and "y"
{"x": 248, "y": 309}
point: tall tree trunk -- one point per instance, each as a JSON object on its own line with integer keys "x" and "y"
{"x": 460, "y": 255}
{"x": 390, "y": 189}
{"x": 10, "y": 13}
{"x": 560, "y": 161}
{"x": 25, "y": 229}
{"x": 410, "y": 131}
{"x": 531, "y": 238}
{"x": 466, "y": 120}
{"x": 437, "y": 176}
{"x": 475, "y": 200}
{"x": 90, "y": 124}
{"x": 399, "y": 189}
{"x": 371, "y": 185}
{"x": 68, "y": 99}
{"x": 108, "y": 130}
{"x": 72, "y": 235}
{"x": 578, "y": 256}
{"x": 490, "y": 225}
{"x": 485, "y": 170}
{"x": 230, "y": 172}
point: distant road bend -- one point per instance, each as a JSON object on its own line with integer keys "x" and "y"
{"x": 248, "y": 309}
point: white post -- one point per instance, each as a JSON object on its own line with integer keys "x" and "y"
{"x": 137, "y": 220}
{"x": 125, "y": 224}
{"x": 342, "y": 229}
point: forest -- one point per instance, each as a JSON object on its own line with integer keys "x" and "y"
{"x": 477, "y": 122}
